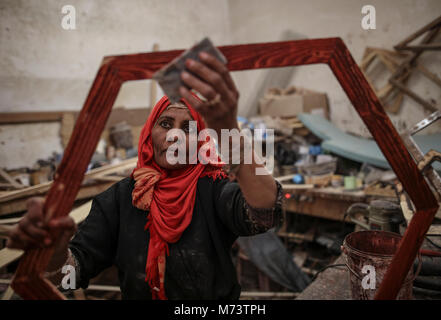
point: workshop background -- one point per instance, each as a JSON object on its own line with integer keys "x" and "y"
{"x": 46, "y": 73}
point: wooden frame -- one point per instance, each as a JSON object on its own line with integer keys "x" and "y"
{"x": 29, "y": 282}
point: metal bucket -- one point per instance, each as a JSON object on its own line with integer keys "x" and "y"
{"x": 368, "y": 255}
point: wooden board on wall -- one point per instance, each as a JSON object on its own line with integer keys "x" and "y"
{"x": 133, "y": 117}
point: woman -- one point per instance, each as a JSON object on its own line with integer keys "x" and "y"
{"x": 169, "y": 227}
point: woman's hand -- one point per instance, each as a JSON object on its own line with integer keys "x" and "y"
{"x": 31, "y": 232}
{"x": 215, "y": 85}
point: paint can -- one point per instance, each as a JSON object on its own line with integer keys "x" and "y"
{"x": 368, "y": 255}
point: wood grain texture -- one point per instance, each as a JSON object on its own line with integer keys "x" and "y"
{"x": 28, "y": 280}
{"x": 379, "y": 124}
{"x": 332, "y": 51}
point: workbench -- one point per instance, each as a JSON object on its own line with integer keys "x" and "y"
{"x": 329, "y": 203}
{"x": 331, "y": 284}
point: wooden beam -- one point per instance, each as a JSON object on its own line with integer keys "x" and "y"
{"x": 268, "y": 295}
{"x": 133, "y": 116}
{"x": 8, "y": 178}
{"x": 418, "y": 47}
{"x": 332, "y": 209}
{"x": 289, "y": 186}
{"x": 10, "y": 255}
{"x": 41, "y": 189}
{"x": 30, "y": 117}
{"x": 432, "y": 25}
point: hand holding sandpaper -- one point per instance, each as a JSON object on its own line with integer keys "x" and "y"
{"x": 202, "y": 68}
{"x": 169, "y": 77}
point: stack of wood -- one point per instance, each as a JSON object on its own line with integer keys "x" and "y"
{"x": 401, "y": 64}
{"x": 13, "y": 205}
{"x": 95, "y": 181}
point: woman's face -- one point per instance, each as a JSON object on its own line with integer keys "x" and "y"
{"x": 171, "y": 118}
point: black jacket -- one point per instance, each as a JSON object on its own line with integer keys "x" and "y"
{"x": 199, "y": 265}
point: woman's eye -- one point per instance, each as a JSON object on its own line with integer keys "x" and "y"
{"x": 165, "y": 125}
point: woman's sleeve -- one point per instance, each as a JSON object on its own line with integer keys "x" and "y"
{"x": 94, "y": 245}
{"x": 241, "y": 218}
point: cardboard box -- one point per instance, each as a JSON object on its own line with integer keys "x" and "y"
{"x": 292, "y": 101}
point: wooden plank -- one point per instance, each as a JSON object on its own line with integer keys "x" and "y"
{"x": 332, "y": 193}
{"x": 5, "y": 185}
{"x": 426, "y": 104}
{"x": 284, "y": 178}
{"x": 111, "y": 169}
{"x": 418, "y": 47}
{"x": 133, "y": 116}
{"x": 10, "y": 220}
{"x": 104, "y": 288}
{"x": 90, "y": 191}
{"x": 86, "y": 191}
{"x": 110, "y": 178}
{"x": 29, "y": 191}
{"x": 402, "y": 74}
{"x": 297, "y": 236}
{"x": 332, "y": 209}
{"x": 30, "y": 117}
{"x": 432, "y": 76}
{"x": 10, "y": 255}
{"x": 288, "y": 187}
{"x": 7, "y": 295}
{"x": 432, "y": 25}
{"x": 8, "y": 178}
{"x": 434, "y": 230}
{"x": 92, "y": 174}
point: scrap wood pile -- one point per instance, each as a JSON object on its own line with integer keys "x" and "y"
{"x": 114, "y": 159}
{"x": 95, "y": 181}
{"x": 401, "y": 64}
{"x": 13, "y": 204}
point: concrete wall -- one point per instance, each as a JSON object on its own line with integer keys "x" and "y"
{"x": 44, "y": 67}
{"x": 261, "y": 21}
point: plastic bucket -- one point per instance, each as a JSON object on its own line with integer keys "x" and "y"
{"x": 368, "y": 255}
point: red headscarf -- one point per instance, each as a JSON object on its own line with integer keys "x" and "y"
{"x": 168, "y": 194}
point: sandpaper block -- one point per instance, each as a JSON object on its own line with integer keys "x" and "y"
{"x": 169, "y": 77}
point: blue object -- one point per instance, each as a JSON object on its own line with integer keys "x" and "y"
{"x": 357, "y": 148}
{"x": 242, "y": 119}
{"x": 298, "y": 179}
{"x": 315, "y": 150}
{"x": 245, "y": 122}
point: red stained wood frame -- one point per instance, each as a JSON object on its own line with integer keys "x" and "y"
{"x": 114, "y": 70}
